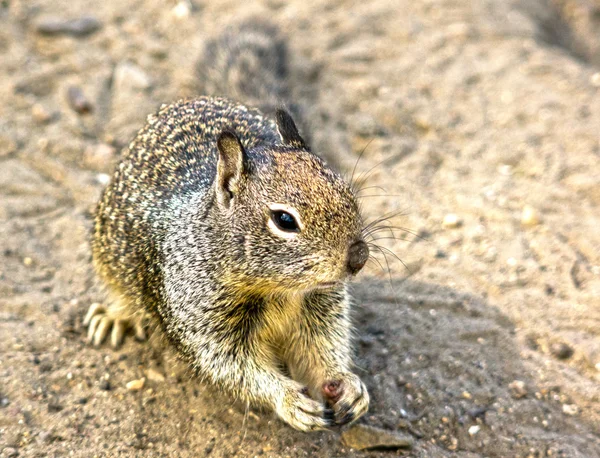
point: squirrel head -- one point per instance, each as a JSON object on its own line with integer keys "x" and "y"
{"x": 294, "y": 224}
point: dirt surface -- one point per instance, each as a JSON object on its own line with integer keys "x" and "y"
{"x": 479, "y": 120}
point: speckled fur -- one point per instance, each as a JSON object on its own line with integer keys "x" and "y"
{"x": 242, "y": 305}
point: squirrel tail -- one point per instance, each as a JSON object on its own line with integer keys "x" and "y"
{"x": 247, "y": 63}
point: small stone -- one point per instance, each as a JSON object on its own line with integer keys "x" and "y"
{"x": 209, "y": 448}
{"x": 518, "y": 389}
{"x": 451, "y": 221}
{"x": 99, "y": 157}
{"x": 478, "y": 412}
{"x": 45, "y": 436}
{"x": 27, "y": 261}
{"x": 9, "y": 452}
{"x": 129, "y": 76}
{"x": 79, "y": 27}
{"x": 45, "y": 366}
{"x": 363, "y": 437}
{"x": 136, "y": 385}
{"x": 104, "y": 385}
{"x": 54, "y": 406}
{"x": 595, "y": 79}
{"x": 529, "y": 216}
{"x": 40, "y": 114}
{"x": 103, "y": 179}
{"x": 78, "y": 101}
{"x": 474, "y": 430}
{"x": 155, "y": 376}
{"x": 561, "y": 350}
{"x": 182, "y": 10}
{"x": 459, "y": 30}
{"x": 570, "y": 409}
{"x": 39, "y": 84}
{"x": 366, "y": 126}
{"x": 158, "y": 50}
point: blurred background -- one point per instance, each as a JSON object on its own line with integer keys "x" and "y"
{"x": 479, "y": 121}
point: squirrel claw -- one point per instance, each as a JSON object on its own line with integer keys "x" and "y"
{"x": 304, "y": 413}
{"x": 100, "y": 323}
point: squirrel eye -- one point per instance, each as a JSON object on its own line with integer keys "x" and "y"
{"x": 284, "y": 221}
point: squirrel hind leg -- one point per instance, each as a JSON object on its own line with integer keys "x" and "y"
{"x": 116, "y": 320}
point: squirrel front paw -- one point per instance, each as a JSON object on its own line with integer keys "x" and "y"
{"x": 303, "y": 413}
{"x": 102, "y": 321}
{"x": 348, "y": 396}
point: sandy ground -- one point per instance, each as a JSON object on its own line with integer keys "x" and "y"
{"x": 486, "y": 344}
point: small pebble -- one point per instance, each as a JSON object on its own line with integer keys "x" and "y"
{"x": 451, "y": 221}
{"x": 529, "y": 216}
{"x": 136, "y": 385}
{"x": 45, "y": 366}
{"x": 505, "y": 170}
{"x": 158, "y": 50}
{"x": 99, "y": 157}
{"x": 103, "y": 178}
{"x": 561, "y": 350}
{"x": 78, "y": 101}
{"x": 595, "y": 79}
{"x": 54, "y": 406}
{"x": 182, "y": 10}
{"x": 104, "y": 385}
{"x": 9, "y": 452}
{"x": 27, "y": 261}
{"x": 570, "y": 409}
{"x": 40, "y": 114}
{"x": 518, "y": 389}
{"x": 474, "y": 430}
{"x": 364, "y": 437}
{"x": 129, "y": 76}
{"x": 45, "y": 436}
{"x": 79, "y": 27}
{"x": 155, "y": 376}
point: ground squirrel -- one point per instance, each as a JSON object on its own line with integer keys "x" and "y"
{"x": 222, "y": 225}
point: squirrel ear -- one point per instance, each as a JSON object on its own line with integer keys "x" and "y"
{"x": 230, "y": 166}
{"x": 288, "y": 130}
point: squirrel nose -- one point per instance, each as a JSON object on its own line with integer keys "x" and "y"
{"x": 358, "y": 254}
